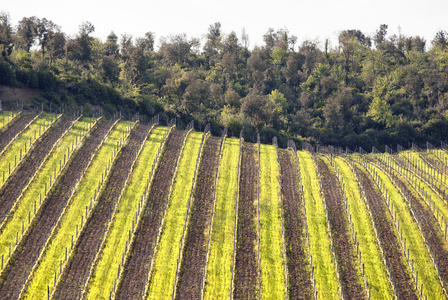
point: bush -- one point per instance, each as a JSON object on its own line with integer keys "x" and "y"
{"x": 6, "y": 73}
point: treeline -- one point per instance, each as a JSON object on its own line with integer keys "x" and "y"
{"x": 365, "y": 91}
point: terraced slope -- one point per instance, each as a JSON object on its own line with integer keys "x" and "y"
{"x": 17, "y": 126}
{"x": 76, "y": 273}
{"x": 327, "y": 285}
{"x": 137, "y": 267}
{"x": 31, "y": 246}
{"x": 350, "y": 277}
{"x": 163, "y": 273}
{"x": 299, "y": 276}
{"x": 219, "y": 270}
{"x": 246, "y": 262}
{"x": 101, "y": 282}
{"x": 12, "y": 189}
{"x": 194, "y": 256}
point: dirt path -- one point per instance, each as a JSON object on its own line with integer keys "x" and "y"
{"x": 389, "y": 240}
{"x": 13, "y": 187}
{"x": 430, "y": 229}
{"x": 32, "y": 244}
{"x": 344, "y": 250}
{"x": 77, "y": 270}
{"x": 246, "y": 265}
{"x": 137, "y": 267}
{"x": 194, "y": 253}
{"x": 299, "y": 277}
{"x": 20, "y": 123}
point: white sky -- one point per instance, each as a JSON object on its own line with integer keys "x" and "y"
{"x": 311, "y": 19}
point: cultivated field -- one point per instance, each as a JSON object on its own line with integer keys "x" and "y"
{"x": 99, "y": 209}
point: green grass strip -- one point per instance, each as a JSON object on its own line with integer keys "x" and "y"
{"x": 6, "y": 117}
{"x": 55, "y": 251}
{"x": 219, "y": 266}
{"x": 12, "y": 153}
{"x": 441, "y": 154}
{"x": 414, "y": 241}
{"x": 31, "y": 196}
{"x": 417, "y": 182}
{"x": 371, "y": 254}
{"x": 320, "y": 244}
{"x": 272, "y": 260}
{"x": 102, "y": 279}
{"x": 165, "y": 262}
{"x": 430, "y": 171}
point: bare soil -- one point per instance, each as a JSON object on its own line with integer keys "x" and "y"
{"x": 11, "y": 96}
{"x": 340, "y": 232}
{"x": 299, "y": 276}
{"x": 76, "y": 272}
{"x": 18, "y": 124}
{"x": 138, "y": 265}
{"x": 33, "y": 243}
{"x": 246, "y": 265}
{"x": 15, "y": 184}
{"x": 194, "y": 252}
{"x": 386, "y": 234}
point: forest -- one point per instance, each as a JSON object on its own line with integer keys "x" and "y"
{"x": 364, "y": 91}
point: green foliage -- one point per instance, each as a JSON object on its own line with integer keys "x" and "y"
{"x": 336, "y": 91}
{"x": 381, "y": 112}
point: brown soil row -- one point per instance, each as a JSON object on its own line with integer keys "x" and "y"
{"x": 246, "y": 266}
{"x": 194, "y": 252}
{"x": 76, "y": 273}
{"x": 299, "y": 276}
{"x": 20, "y": 123}
{"x": 340, "y": 232}
{"x": 13, "y": 187}
{"x": 430, "y": 229}
{"x": 136, "y": 269}
{"x": 31, "y": 245}
{"x": 386, "y": 234}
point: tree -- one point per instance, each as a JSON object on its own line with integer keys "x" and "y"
{"x": 380, "y": 112}
{"x": 26, "y": 33}
{"x": 42, "y": 34}
{"x": 380, "y": 35}
{"x": 259, "y": 110}
{"x": 56, "y": 44}
{"x": 146, "y": 43}
{"x": 85, "y": 40}
{"x": 6, "y": 35}
{"x": 177, "y": 48}
{"x": 441, "y": 39}
{"x": 111, "y": 45}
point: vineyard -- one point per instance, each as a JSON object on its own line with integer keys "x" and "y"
{"x": 119, "y": 209}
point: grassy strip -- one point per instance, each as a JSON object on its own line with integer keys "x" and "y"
{"x": 6, "y": 117}
{"x": 34, "y": 195}
{"x": 375, "y": 271}
{"x": 320, "y": 244}
{"x": 16, "y": 151}
{"x": 69, "y": 224}
{"x": 409, "y": 232}
{"x": 441, "y": 154}
{"x": 431, "y": 173}
{"x": 102, "y": 279}
{"x": 165, "y": 262}
{"x": 421, "y": 187}
{"x": 219, "y": 266}
{"x": 272, "y": 260}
